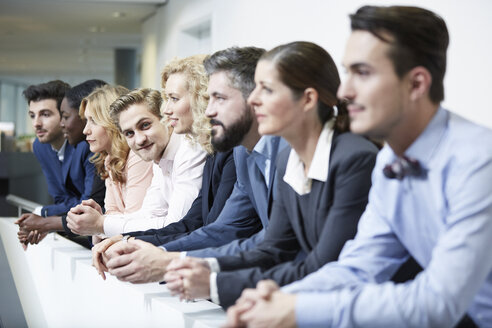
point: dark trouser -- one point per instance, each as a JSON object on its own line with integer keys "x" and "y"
{"x": 466, "y": 322}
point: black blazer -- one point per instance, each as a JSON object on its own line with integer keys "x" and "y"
{"x": 219, "y": 177}
{"x": 317, "y": 226}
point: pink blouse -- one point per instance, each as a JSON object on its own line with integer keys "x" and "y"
{"x": 128, "y": 197}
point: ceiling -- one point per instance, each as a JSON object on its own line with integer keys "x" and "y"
{"x": 53, "y": 38}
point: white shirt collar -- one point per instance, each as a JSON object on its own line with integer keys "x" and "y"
{"x": 294, "y": 173}
{"x": 171, "y": 148}
{"x": 60, "y": 152}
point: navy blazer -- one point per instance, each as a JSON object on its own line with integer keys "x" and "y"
{"x": 219, "y": 177}
{"x": 245, "y": 212}
{"x": 318, "y": 223}
{"x": 70, "y": 181}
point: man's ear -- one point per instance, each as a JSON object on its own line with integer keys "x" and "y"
{"x": 420, "y": 82}
{"x": 310, "y": 98}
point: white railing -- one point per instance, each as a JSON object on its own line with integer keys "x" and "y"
{"x": 58, "y": 287}
{"x": 21, "y": 203}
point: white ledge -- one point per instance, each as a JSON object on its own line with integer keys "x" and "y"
{"x": 58, "y": 287}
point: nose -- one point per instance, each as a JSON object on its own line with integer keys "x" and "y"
{"x": 210, "y": 110}
{"x": 140, "y": 138}
{"x": 62, "y": 123}
{"x": 167, "y": 110}
{"x": 253, "y": 99}
{"x": 86, "y": 130}
{"x": 346, "y": 90}
{"x": 36, "y": 122}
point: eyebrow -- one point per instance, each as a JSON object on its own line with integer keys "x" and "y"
{"x": 358, "y": 65}
{"x": 41, "y": 111}
{"x": 136, "y": 124}
{"x": 215, "y": 94}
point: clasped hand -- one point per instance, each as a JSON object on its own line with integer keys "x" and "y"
{"x": 133, "y": 261}
{"x": 189, "y": 278}
{"x": 31, "y": 230}
{"x": 86, "y": 218}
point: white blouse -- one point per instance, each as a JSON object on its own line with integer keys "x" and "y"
{"x": 176, "y": 183}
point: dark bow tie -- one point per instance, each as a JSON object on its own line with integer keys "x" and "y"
{"x": 402, "y": 167}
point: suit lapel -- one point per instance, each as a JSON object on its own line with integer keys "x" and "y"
{"x": 258, "y": 189}
{"x": 273, "y": 171}
{"x": 67, "y": 160}
{"x": 208, "y": 175}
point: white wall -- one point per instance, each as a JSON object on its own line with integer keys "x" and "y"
{"x": 267, "y": 23}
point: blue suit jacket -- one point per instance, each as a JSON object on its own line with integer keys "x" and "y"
{"x": 245, "y": 212}
{"x": 70, "y": 181}
{"x": 219, "y": 177}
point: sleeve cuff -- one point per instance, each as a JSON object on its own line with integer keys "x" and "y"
{"x": 38, "y": 210}
{"x": 214, "y": 291}
{"x": 314, "y": 310}
{"x": 182, "y": 255}
{"x": 65, "y": 226}
{"x": 113, "y": 225}
{"x": 213, "y": 264}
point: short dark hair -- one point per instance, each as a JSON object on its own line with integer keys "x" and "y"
{"x": 239, "y": 64}
{"x": 80, "y": 91}
{"x": 50, "y": 90}
{"x": 301, "y": 65}
{"x": 420, "y": 38}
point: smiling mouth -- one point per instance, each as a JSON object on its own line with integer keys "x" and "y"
{"x": 146, "y": 147}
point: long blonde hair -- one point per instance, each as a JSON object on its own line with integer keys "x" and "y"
{"x": 196, "y": 85}
{"x": 99, "y": 101}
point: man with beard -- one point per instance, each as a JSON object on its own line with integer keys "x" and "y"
{"x": 245, "y": 213}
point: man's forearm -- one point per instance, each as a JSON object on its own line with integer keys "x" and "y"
{"x": 52, "y": 223}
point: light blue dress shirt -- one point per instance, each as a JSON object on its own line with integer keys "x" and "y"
{"x": 444, "y": 220}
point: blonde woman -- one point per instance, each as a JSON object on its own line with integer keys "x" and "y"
{"x": 184, "y": 90}
{"x": 126, "y": 175}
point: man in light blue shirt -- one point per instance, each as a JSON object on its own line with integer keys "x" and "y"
{"x": 431, "y": 196}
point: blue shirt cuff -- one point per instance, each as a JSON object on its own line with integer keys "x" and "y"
{"x": 314, "y": 310}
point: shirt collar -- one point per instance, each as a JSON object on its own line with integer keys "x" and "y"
{"x": 172, "y": 147}
{"x": 263, "y": 147}
{"x": 427, "y": 143}
{"x": 60, "y": 152}
{"x": 294, "y": 173}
